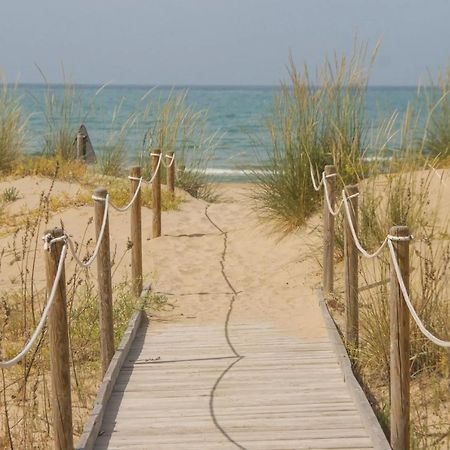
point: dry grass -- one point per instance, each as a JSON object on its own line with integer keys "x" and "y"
{"x": 319, "y": 120}
{"x": 407, "y": 196}
{"x": 12, "y": 127}
{"x": 173, "y": 125}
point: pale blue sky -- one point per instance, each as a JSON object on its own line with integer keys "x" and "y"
{"x": 216, "y": 41}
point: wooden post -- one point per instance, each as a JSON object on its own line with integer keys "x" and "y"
{"x": 399, "y": 349}
{"x": 171, "y": 174}
{"x": 328, "y": 231}
{"x": 156, "y": 193}
{"x": 104, "y": 281}
{"x": 351, "y": 269}
{"x": 136, "y": 233}
{"x": 81, "y": 146}
{"x": 59, "y": 349}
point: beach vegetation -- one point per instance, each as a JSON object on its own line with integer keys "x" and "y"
{"x": 25, "y": 388}
{"x": 437, "y": 138}
{"x": 10, "y": 194}
{"x": 315, "y": 121}
{"x": 176, "y": 126}
{"x": 12, "y": 126}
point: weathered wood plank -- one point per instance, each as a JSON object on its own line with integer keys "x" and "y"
{"x": 286, "y": 393}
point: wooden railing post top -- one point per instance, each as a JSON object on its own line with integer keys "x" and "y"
{"x": 330, "y": 169}
{"x": 55, "y": 232}
{"x": 351, "y": 189}
{"x": 170, "y": 153}
{"x": 100, "y": 192}
{"x": 400, "y": 231}
{"x": 157, "y": 151}
{"x": 135, "y": 171}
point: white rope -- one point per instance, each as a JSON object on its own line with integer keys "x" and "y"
{"x": 157, "y": 167}
{"x": 172, "y": 160}
{"x": 50, "y": 300}
{"x": 99, "y": 240}
{"x": 313, "y": 179}
{"x": 353, "y": 231}
{"x": 416, "y": 318}
{"x": 327, "y": 198}
{"x": 127, "y": 207}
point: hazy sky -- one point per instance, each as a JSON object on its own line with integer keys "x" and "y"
{"x": 216, "y": 41}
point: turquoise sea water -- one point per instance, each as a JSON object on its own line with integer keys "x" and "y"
{"x": 238, "y": 112}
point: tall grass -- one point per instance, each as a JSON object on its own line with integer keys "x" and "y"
{"x": 12, "y": 127}
{"x": 64, "y": 113}
{"x": 173, "y": 125}
{"x": 316, "y": 120}
{"x": 437, "y": 141}
{"x": 112, "y": 156}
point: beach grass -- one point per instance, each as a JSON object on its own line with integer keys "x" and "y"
{"x": 12, "y": 127}
{"x": 315, "y": 121}
{"x": 172, "y": 125}
{"x": 437, "y": 138}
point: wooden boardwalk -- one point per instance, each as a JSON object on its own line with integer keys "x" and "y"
{"x": 235, "y": 376}
{"x": 175, "y": 391}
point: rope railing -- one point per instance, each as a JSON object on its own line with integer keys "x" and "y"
{"x": 89, "y": 262}
{"x": 69, "y": 244}
{"x": 387, "y": 241}
{"x": 333, "y": 212}
{"x": 136, "y": 192}
{"x": 155, "y": 173}
{"x": 415, "y": 316}
{"x": 38, "y": 330}
{"x": 357, "y": 242}
{"x": 397, "y": 240}
{"x": 57, "y": 245}
{"x": 172, "y": 160}
{"x": 313, "y": 179}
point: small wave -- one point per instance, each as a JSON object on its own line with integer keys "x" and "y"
{"x": 232, "y": 172}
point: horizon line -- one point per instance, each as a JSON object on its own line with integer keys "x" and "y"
{"x": 193, "y": 85}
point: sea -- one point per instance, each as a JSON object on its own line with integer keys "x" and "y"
{"x": 237, "y": 114}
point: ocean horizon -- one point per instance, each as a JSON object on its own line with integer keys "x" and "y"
{"x": 237, "y": 112}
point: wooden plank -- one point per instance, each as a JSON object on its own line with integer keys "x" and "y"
{"x": 92, "y": 427}
{"x": 368, "y": 416}
{"x": 284, "y": 393}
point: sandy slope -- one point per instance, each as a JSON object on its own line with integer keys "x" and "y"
{"x": 274, "y": 278}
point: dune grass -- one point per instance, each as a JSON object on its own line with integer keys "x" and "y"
{"x": 437, "y": 139}
{"x": 12, "y": 127}
{"x": 173, "y": 125}
{"x": 316, "y": 120}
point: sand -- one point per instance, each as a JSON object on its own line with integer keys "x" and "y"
{"x": 274, "y": 276}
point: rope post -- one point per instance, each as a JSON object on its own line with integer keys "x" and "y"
{"x": 104, "y": 281}
{"x": 59, "y": 349}
{"x": 399, "y": 348}
{"x": 351, "y": 269}
{"x": 171, "y": 174}
{"x": 136, "y": 232}
{"x": 328, "y": 230}
{"x": 81, "y": 146}
{"x": 156, "y": 193}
